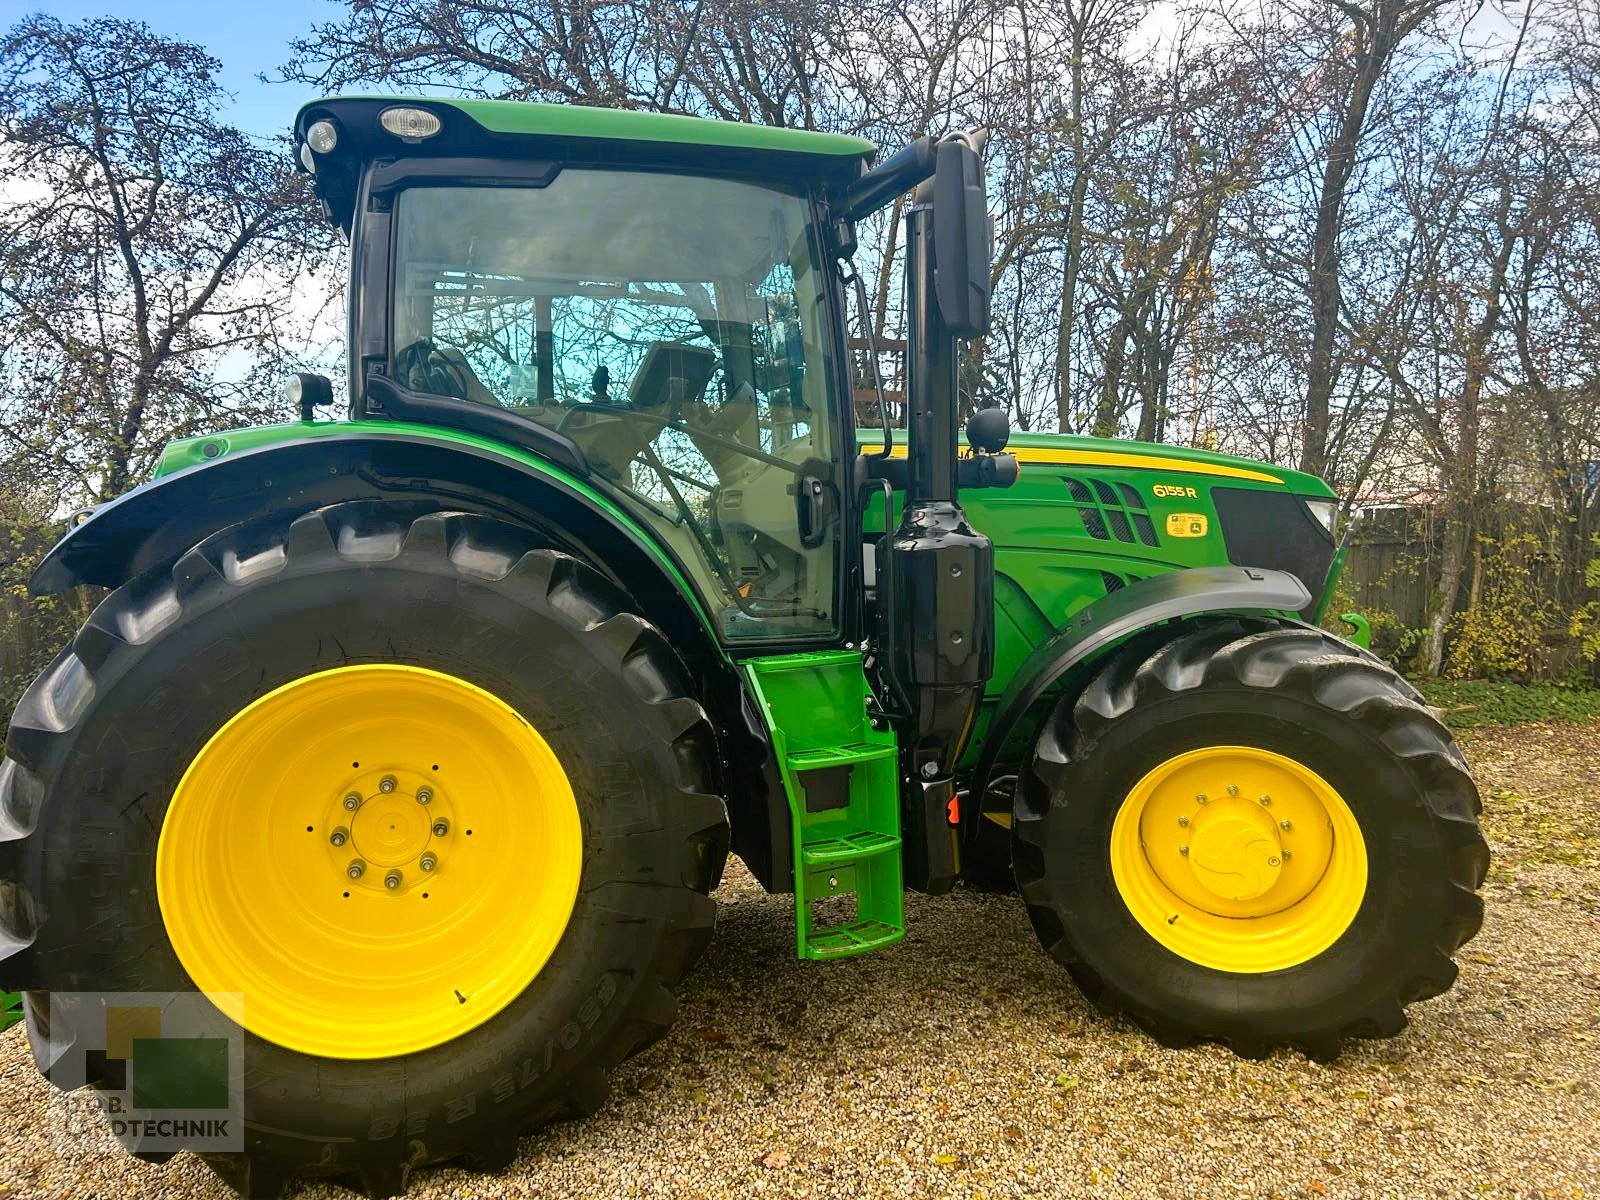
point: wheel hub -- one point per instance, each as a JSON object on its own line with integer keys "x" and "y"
{"x": 391, "y": 829}
{"x": 1234, "y": 849}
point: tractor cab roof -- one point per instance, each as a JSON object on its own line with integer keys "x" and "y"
{"x": 366, "y": 128}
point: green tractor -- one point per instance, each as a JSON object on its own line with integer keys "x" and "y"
{"x": 425, "y": 733}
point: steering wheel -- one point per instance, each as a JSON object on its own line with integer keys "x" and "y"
{"x": 424, "y": 367}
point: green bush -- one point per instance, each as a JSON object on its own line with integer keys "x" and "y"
{"x": 1585, "y": 624}
{"x": 1501, "y": 633}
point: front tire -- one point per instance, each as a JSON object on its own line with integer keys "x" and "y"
{"x": 1254, "y": 834}
{"x": 119, "y": 747}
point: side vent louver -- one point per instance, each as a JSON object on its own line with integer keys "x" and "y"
{"x": 1111, "y": 512}
{"x": 1115, "y": 582}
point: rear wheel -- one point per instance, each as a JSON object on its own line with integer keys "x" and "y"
{"x": 1254, "y": 834}
{"x": 429, "y": 797}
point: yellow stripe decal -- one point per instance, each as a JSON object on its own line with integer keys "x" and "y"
{"x": 1112, "y": 458}
{"x": 1149, "y": 462}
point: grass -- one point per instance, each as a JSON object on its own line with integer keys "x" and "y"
{"x": 10, "y": 1009}
{"x": 1471, "y": 703}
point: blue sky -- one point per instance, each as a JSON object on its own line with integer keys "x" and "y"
{"x": 251, "y": 37}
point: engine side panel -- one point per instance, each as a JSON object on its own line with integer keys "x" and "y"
{"x": 1088, "y": 517}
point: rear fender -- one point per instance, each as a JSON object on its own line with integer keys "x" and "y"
{"x": 160, "y": 520}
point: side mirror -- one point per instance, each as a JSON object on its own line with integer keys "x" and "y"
{"x": 308, "y": 392}
{"x": 988, "y": 430}
{"x": 961, "y": 249}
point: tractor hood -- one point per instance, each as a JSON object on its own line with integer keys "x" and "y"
{"x": 1111, "y": 452}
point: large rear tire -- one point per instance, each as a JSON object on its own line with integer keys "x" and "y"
{"x": 1254, "y": 834}
{"x": 99, "y": 861}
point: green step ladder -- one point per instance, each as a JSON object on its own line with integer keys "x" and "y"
{"x": 842, "y": 777}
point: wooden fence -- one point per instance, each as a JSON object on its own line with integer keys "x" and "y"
{"x": 1514, "y": 569}
{"x": 1393, "y": 562}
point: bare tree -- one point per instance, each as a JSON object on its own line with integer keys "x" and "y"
{"x": 1334, "y": 59}
{"x": 736, "y": 59}
{"x": 149, "y": 259}
{"x": 1375, "y": 32}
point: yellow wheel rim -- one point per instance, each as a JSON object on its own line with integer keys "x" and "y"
{"x": 1239, "y": 859}
{"x": 466, "y": 840}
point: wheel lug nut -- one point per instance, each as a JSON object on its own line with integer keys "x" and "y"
{"x": 1284, "y": 824}
{"x": 1200, "y": 799}
{"x": 392, "y": 880}
{"x": 1287, "y": 856}
{"x": 356, "y": 869}
{"x": 1183, "y": 850}
{"x": 352, "y": 802}
{"x": 424, "y": 795}
{"x": 1266, "y": 800}
{"x": 1183, "y": 820}
{"x": 1233, "y": 789}
{"x": 441, "y": 827}
{"x": 387, "y": 784}
{"x": 427, "y": 862}
{"x": 339, "y": 836}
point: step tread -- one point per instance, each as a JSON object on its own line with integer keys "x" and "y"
{"x": 858, "y": 937}
{"x": 847, "y": 847}
{"x": 839, "y": 756}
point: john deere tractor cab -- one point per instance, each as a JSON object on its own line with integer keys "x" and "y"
{"x": 416, "y": 737}
{"x": 660, "y": 332}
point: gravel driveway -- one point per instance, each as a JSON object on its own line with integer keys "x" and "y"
{"x": 964, "y": 1063}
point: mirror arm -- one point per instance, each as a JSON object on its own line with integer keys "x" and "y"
{"x": 895, "y": 175}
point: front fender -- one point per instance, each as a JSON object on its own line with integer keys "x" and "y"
{"x": 1172, "y": 595}
{"x": 297, "y": 468}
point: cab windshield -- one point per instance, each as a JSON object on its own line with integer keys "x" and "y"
{"x": 673, "y": 327}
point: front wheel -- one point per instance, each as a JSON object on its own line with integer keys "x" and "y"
{"x": 427, "y": 796}
{"x": 1254, "y": 834}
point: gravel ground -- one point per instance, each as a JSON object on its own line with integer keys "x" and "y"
{"x": 964, "y": 1063}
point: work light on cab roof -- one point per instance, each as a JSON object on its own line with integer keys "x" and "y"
{"x": 409, "y": 124}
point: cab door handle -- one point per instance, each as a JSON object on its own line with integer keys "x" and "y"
{"x": 813, "y": 505}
